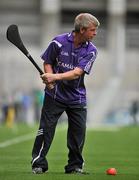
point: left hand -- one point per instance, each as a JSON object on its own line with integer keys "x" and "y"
{"x": 48, "y": 78}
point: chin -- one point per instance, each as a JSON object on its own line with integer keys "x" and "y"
{"x": 90, "y": 39}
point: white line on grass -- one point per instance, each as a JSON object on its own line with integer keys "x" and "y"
{"x": 16, "y": 140}
{"x": 30, "y": 136}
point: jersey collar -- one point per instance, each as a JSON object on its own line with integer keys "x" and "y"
{"x": 70, "y": 38}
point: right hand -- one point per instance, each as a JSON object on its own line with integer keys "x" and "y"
{"x": 50, "y": 86}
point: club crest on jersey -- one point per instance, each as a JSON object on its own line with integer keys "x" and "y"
{"x": 64, "y": 53}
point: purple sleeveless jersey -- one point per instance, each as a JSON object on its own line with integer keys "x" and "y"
{"x": 63, "y": 56}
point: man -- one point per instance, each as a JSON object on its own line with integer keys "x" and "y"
{"x": 66, "y": 61}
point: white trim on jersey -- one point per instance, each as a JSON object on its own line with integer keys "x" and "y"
{"x": 58, "y": 43}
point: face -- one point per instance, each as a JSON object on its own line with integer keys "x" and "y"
{"x": 88, "y": 33}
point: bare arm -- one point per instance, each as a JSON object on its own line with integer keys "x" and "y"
{"x": 70, "y": 75}
{"x": 48, "y": 69}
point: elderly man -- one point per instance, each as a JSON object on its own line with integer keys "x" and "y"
{"x": 66, "y": 61}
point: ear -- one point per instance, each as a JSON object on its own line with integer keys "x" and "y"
{"x": 82, "y": 30}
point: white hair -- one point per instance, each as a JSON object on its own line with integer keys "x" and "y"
{"x": 84, "y": 20}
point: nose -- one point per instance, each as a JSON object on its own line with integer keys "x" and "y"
{"x": 95, "y": 32}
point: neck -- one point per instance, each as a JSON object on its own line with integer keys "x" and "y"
{"x": 77, "y": 39}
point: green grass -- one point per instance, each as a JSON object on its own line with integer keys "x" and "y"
{"x": 103, "y": 149}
